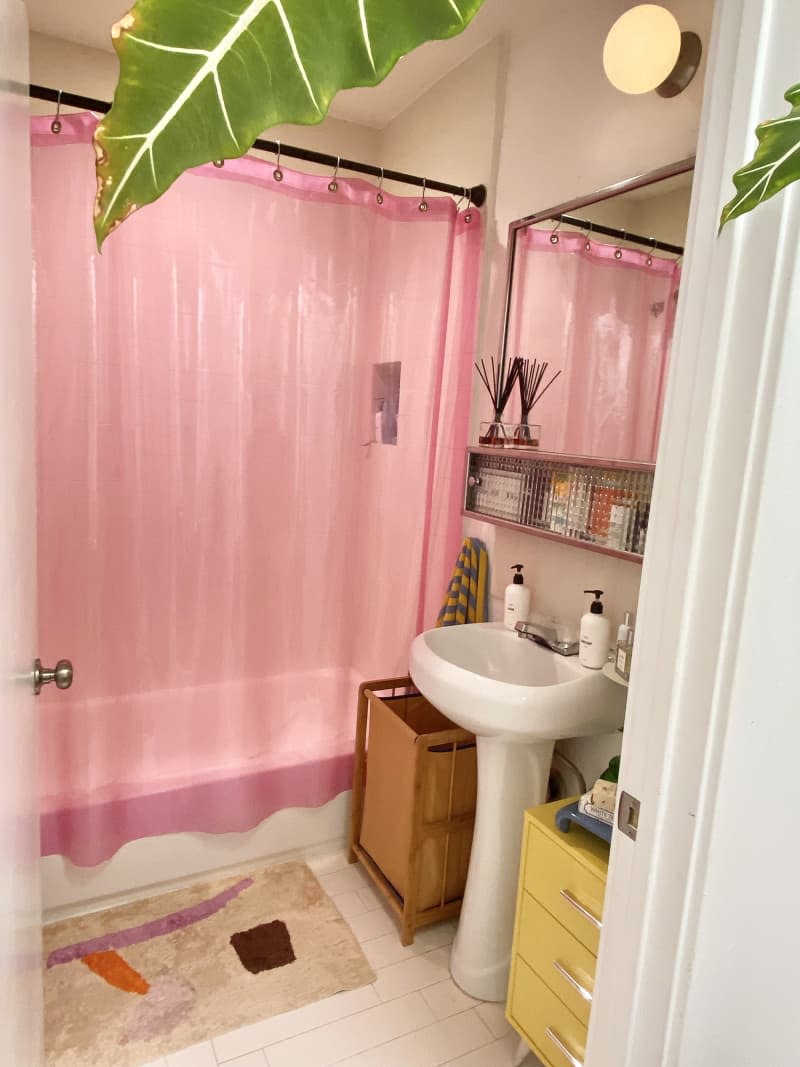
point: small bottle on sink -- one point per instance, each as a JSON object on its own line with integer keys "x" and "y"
{"x": 595, "y": 639}
{"x": 517, "y": 599}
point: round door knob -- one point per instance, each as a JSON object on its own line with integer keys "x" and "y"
{"x": 61, "y": 674}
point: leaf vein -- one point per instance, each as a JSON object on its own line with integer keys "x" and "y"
{"x": 295, "y": 52}
{"x": 455, "y": 8}
{"x": 169, "y": 47}
{"x": 362, "y": 14}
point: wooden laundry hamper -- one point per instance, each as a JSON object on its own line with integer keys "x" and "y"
{"x": 414, "y": 792}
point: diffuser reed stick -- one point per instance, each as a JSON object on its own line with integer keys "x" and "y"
{"x": 530, "y": 375}
{"x": 499, "y": 386}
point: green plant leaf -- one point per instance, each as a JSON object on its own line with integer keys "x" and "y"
{"x": 774, "y": 166}
{"x": 201, "y": 79}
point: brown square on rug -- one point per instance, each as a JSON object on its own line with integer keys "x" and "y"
{"x": 126, "y": 986}
{"x": 264, "y": 947}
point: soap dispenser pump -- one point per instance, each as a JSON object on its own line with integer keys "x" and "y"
{"x": 595, "y": 638}
{"x": 517, "y": 599}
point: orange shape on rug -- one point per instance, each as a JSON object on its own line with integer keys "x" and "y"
{"x": 113, "y": 968}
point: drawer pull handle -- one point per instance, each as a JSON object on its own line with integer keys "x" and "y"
{"x": 570, "y": 1057}
{"x": 581, "y": 909}
{"x": 573, "y": 981}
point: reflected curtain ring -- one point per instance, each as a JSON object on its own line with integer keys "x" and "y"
{"x": 423, "y": 204}
{"x": 554, "y": 234}
{"x": 277, "y": 174}
{"x": 333, "y": 185}
{"x": 379, "y": 194}
{"x": 55, "y": 125}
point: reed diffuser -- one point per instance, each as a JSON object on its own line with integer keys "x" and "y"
{"x": 499, "y": 386}
{"x": 530, "y": 375}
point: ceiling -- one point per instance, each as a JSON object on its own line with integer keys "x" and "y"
{"x": 88, "y": 22}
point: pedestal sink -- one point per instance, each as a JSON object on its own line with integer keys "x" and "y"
{"x": 518, "y": 699}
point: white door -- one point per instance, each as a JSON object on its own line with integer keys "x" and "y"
{"x": 698, "y": 954}
{"x": 20, "y": 914}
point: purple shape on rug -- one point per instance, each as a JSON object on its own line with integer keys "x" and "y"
{"x": 170, "y": 999}
{"x": 135, "y": 935}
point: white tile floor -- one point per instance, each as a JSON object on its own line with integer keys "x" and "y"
{"x": 413, "y": 1015}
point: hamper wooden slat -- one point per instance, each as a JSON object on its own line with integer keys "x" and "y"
{"x": 414, "y": 792}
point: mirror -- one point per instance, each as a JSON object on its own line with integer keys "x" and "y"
{"x": 592, "y": 290}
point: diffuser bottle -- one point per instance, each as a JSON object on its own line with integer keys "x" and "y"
{"x": 595, "y": 638}
{"x": 517, "y": 599}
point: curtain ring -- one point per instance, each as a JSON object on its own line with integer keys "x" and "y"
{"x": 379, "y": 194}
{"x": 423, "y": 204}
{"x": 218, "y": 162}
{"x": 653, "y": 247}
{"x": 554, "y": 234}
{"x": 333, "y": 185}
{"x": 587, "y": 247}
{"x": 468, "y": 212}
{"x": 55, "y": 125}
{"x": 277, "y": 174}
{"x": 462, "y": 198}
{"x": 618, "y": 250}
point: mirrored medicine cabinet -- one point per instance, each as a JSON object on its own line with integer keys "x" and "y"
{"x": 592, "y": 288}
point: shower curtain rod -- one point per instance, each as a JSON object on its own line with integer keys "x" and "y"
{"x": 476, "y": 194}
{"x": 610, "y": 231}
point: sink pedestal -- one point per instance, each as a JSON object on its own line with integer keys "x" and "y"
{"x": 511, "y": 777}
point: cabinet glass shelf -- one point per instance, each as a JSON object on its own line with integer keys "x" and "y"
{"x": 599, "y": 504}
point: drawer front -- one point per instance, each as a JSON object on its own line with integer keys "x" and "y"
{"x": 547, "y": 1024}
{"x": 570, "y": 892}
{"x": 560, "y": 960}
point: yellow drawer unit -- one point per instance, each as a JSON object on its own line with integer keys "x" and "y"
{"x": 545, "y": 1023}
{"x": 562, "y": 962}
{"x": 556, "y": 936}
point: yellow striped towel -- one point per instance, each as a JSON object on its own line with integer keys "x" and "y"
{"x": 466, "y": 594}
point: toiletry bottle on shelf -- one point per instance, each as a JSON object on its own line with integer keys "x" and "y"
{"x": 595, "y": 638}
{"x": 517, "y": 601}
{"x": 622, "y": 658}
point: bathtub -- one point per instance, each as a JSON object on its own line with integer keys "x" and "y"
{"x": 214, "y": 759}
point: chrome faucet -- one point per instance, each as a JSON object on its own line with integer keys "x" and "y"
{"x": 547, "y": 636}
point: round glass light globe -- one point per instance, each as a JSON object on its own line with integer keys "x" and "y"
{"x": 641, "y": 48}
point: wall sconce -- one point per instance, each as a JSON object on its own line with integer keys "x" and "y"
{"x": 645, "y": 50}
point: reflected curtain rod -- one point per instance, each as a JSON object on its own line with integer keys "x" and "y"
{"x": 476, "y": 194}
{"x": 623, "y": 235}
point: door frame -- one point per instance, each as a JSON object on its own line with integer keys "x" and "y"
{"x": 736, "y": 319}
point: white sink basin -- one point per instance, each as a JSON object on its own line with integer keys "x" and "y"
{"x": 491, "y": 681}
{"x": 518, "y": 699}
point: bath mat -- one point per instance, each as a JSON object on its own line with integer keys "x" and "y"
{"x": 126, "y": 986}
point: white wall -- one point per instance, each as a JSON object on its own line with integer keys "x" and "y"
{"x": 534, "y": 117}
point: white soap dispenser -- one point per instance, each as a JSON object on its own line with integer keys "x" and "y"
{"x": 595, "y": 639}
{"x": 518, "y": 599}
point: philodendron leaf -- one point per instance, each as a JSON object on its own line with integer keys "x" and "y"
{"x": 201, "y": 79}
{"x": 775, "y": 165}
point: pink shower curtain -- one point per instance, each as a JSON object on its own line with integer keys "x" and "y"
{"x": 606, "y": 322}
{"x": 221, "y": 551}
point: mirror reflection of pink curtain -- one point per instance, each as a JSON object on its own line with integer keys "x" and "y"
{"x": 606, "y": 323}
{"x": 221, "y": 552}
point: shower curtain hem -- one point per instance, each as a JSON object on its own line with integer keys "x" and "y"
{"x": 91, "y": 833}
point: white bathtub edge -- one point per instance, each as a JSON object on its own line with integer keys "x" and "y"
{"x": 155, "y": 865}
